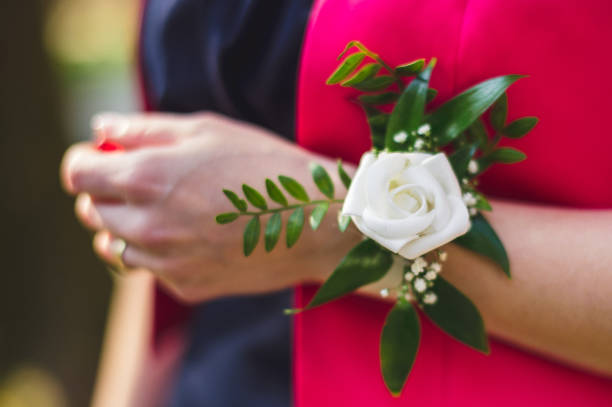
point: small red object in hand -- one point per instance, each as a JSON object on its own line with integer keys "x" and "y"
{"x": 105, "y": 145}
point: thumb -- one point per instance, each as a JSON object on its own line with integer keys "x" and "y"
{"x": 131, "y": 131}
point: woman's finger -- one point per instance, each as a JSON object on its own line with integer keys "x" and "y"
{"x": 117, "y": 176}
{"x": 86, "y": 212}
{"x": 138, "y": 130}
{"x": 130, "y": 257}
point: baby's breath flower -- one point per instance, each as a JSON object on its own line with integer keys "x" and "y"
{"x": 408, "y": 276}
{"x": 384, "y": 292}
{"x": 424, "y": 130}
{"x": 419, "y": 144}
{"x": 469, "y": 199}
{"x": 420, "y": 285}
{"x": 431, "y": 275}
{"x": 430, "y": 298}
{"x": 472, "y": 167}
{"x": 435, "y": 266}
{"x": 400, "y": 137}
{"x": 473, "y": 211}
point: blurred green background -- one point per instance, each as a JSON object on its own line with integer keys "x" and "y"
{"x": 60, "y": 62}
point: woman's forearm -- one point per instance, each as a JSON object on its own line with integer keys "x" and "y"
{"x": 559, "y": 300}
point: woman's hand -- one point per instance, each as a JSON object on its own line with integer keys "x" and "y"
{"x": 162, "y": 193}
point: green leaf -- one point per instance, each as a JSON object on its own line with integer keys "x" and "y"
{"x": 251, "y": 235}
{"x": 483, "y": 240}
{"x": 346, "y": 67}
{"x": 456, "y": 315}
{"x": 408, "y": 112}
{"x": 375, "y": 84}
{"x": 343, "y": 222}
{"x": 378, "y": 98}
{"x": 453, "y": 117}
{"x": 431, "y": 95}
{"x": 410, "y": 69}
{"x": 460, "y": 159}
{"x": 317, "y": 215}
{"x": 322, "y": 180}
{"x": 272, "y": 233}
{"x": 499, "y": 112}
{"x": 348, "y": 46}
{"x": 254, "y": 197}
{"x": 520, "y": 127}
{"x": 478, "y": 133}
{"x": 378, "y": 128}
{"x": 365, "y": 263}
{"x": 344, "y": 177}
{"x": 367, "y": 72}
{"x": 399, "y": 343}
{"x": 294, "y": 188}
{"x": 228, "y": 217}
{"x": 275, "y": 193}
{"x": 295, "y": 226}
{"x": 240, "y": 204}
{"x": 506, "y": 155}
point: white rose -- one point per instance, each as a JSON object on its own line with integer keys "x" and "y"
{"x": 409, "y": 203}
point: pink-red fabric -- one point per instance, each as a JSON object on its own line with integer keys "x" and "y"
{"x": 564, "y": 45}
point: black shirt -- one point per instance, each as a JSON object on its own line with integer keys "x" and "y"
{"x": 238, "y": 58}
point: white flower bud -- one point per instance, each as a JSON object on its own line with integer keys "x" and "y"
{"x": 424, "y": 130}
{"x": 419, "y": 144}
{"x": 384, "y": 292}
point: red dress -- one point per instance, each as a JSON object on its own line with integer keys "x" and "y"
{"x": 564, "y": 46}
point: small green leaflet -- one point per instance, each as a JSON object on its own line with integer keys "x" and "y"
{"x": 410, "y": 69}
{"x": 322, "y": 180}
{"x": 295, "y": 225}
{"x": 378, "y": 98}
{"x": 275, "y": 193}
{"x": 368, "y": 71}
{"x": 272, "y": 232}
{"x": 254, "y": 197}
{"x": 365, "y": 263}
{"x": 505, "y": 155}
{"x": 251, "y": 235}
{"x": 408, "y": 112}
{"x": 343, "y": 222}
{"x": 317, "y": 215}
{"x": 399, "y": 343}
{"x": 456, "y": 315}
{"x": 375, "y": 84}
{"x": 519, "y": 127}
{"x": 294, "y": 188}
{"x": 483, "y": 240}
{"x": 346, "y": 67}
{"x": 453, "y": 117}
{"x": 228, "y": 217}
{"x": 240, "y": 204}
{"x": 344, "y": 177}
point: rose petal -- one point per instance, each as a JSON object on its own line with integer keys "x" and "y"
{"x": 458, "y": 225}
{"x": 391, "y": 244}
{"x": 355, "y": 200}
{"x": 439, "y": 166}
